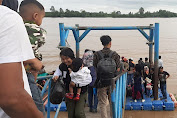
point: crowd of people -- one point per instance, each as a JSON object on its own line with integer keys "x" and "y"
{"x": 140, "y": 79}
{"x": 20, "y": 40}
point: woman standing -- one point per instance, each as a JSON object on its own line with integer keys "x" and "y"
{"x": 92, "y": 92}
{"x": 75, "y": 108}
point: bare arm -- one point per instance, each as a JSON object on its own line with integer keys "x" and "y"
{"x": 15, "y": 101}
{"x": 35, "y": 63}
{"x": 168, "y": 76}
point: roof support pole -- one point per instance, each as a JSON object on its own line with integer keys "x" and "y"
{"x": 156, "y": 59}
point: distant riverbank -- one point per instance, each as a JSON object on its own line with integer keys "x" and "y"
{"x": 115, "y": 14}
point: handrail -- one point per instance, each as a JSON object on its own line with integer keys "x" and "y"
{"x": 118, "y": 92}
{"x": 48, "y": 84}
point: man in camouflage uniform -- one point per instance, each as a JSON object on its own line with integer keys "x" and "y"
{"x": 32, "y": 13}
{"x": 37, "y": 38}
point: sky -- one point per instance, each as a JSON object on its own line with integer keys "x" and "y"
{"x": 125, "y": 6}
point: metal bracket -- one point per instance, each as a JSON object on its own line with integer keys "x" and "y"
{"x": 148, "y": 43}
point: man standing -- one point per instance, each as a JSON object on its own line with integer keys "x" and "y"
{"x": 15, "y": 48}
{"x": 163, "y": 76}
{"x": 160, "y": 64}
{"x": 130, "y": 72}
{"x": 104, "y": 75}
{"x": 147, "y": 63}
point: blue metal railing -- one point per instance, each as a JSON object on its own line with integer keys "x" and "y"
{"x": 118, "y": 93}
{"x": 46, "y": 87}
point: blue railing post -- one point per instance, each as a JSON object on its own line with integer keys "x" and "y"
{"x": 123, "y": 89}
{"x": 48, "y": 104}
{"x": 151, "y": 45}
{"x": 113, "y": 99}
{"x": 62, "y": 35}
{"x": 77, "y": 42}
{"x": 117, "y": 97}
{"x": 156, "y": 59}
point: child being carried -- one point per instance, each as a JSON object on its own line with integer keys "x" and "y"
{"x": 80, "y": 76}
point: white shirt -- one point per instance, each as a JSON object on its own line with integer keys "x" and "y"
{"x": 14, "y": 43}
{"x": 160, "y": 63}
{"x": 82, "y": 77}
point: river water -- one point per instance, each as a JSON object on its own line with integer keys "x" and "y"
{"x": 126, "y": 43}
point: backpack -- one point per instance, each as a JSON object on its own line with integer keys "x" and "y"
{"x": 106, "y": 68}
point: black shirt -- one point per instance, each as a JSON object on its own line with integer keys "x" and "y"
{"x": 163, "y": 76}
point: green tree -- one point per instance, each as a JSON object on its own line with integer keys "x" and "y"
{"x": 141, "y": 11}
{"x": 52, "y": 9}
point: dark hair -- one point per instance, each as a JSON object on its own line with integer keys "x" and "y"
{"x": 76, "y": 64}
{"x": 68, "y": 52}
{"x": 12, "y": 4}
{"x": 160, "y": 67}
{"x": 86, "y": 50}
{"x": 138, "y": 68}
{"x": 105, "y": 39}
{"x": 33, "y": 2}
{"x": 137, "y": 74}
{"x": 141, "y": 58}
{"x": 146, "y": 59}
{"x": 160, "y": 57}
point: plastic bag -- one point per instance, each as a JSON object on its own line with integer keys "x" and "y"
{"x": 57, "y": 91}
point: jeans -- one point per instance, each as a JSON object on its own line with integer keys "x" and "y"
{"x": 163, "y": 90}
{"x": 36, "y": 93}
{"x": 148, "y": 92}
{"x": 92, "y": 98}
{"x": 130, "y": 79}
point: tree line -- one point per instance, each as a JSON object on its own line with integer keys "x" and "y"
{"x": 115, "y": 14}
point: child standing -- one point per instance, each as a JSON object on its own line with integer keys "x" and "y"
{"x": 80, "y": 76}
{"x": 137, "y": 83}
{"x": 163, "y": 75}
{"x": 148, "y": 86}
{"x": 145, "y": 75}
{"x": 32, "y": 13}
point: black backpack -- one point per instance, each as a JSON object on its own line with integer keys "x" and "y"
{"x": 106, "y": 68}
